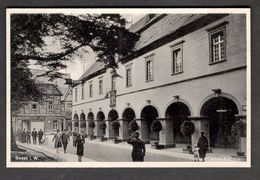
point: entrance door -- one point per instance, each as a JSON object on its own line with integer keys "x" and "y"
{"x": 37, "y": 125}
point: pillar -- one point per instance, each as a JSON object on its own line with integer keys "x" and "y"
{"x": 123, "y": 129}
{"x": 166, "y": 134}
{"x": 201, "y": 124}
{"x": 143, "y": 128}
{"x": 109, "y": 130}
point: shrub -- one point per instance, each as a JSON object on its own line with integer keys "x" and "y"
{"x": 187, "y": 128}
{"x": 156, "y": 126}
{"x": 238, "y": 129}
{"x": 102, "y": 125}
{"x": 83, "y": 124}
{"x": 91, "y": 124}
{"x": 133, "y": 126}
{"x": 76, "y": 123}
{"x": 115, "y": 125}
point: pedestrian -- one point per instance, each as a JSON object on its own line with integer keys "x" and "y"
{"x": 28, "y": 136}
{"x": 65, "y": 139}
{"x": 80, "y": 141}
{"x": 58, "y": 141}
{"x": 195, "y": 151}
{"x": 74, "y": 137}
{"x": 40, "y": 134}
{"x": 203, "y": 146}
{"x": 34, "y": 135}
{"x": 18, "y": 135}
{"x": 23, "y": 136}
{"x": 138, "y": 151}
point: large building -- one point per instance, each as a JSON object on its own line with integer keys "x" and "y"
{"x": 52, "y": 113}
{"x": 184, "y": 67}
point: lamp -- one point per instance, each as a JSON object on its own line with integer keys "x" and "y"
{"x": 128, "y": 104}
{"x": 148, "y": 102}
{"x": 177, "y": 97}
{"x": 217, "y": 92}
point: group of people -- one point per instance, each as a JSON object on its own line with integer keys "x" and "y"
{"x": 138, "y": 152}
{"x": 26, "y": 135}
{"x": 62, "y": 140}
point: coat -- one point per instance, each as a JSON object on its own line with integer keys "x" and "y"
{"x": 203, "y": 146}
{"x": 40, "y": 134}
{"x": 138, "y": 151}
{"x": 58, "y": 141}
{"x": 65, "y": 137}
{"x": 23, "y": 137}
{"x": 80, "y": 141}
{"x": 34, "y": 134}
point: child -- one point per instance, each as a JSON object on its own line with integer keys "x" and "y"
{"x": 195, "y": 151}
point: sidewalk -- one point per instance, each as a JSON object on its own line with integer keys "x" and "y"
{"x": 51, "y": 152}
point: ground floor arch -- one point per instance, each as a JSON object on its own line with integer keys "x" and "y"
{"x": 178, "y": 112}
{"x": 220, "y": 112}
{"x": 82, "y": 122}
{"x": 110, "y": 132}
{"x": 90, "y": 124}
{"x": 100, "y": 118}
{"x": 148, "y": 115}
{"x": 127, "y": 116}
{"x": 76, "y": 122}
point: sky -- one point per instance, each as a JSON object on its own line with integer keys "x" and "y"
{"x": 81, "y": 63}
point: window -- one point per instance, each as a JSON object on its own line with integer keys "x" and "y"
{"x": 217, "y": 46}
{"x": 76, "y": 94}
{"x": 82, "y": 92}
{"x": 90, "y": 90}
{"x": 50, "y": 105}
{"x": 34, "y": 106}
{"x": 177, "y": 60}
{"x": 149, "y": 68}
{"x": 69, "y": 107}
{"x": 128, "y": 77}
{"x": 55, "y": 124}
{"x": 100, "y": 87}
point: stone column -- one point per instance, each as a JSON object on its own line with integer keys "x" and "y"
{"x": 143, "y": 128}
{"x": 201, "y": 124}
{"x": 166, "y": 134}
{"x": 109, "y": 130}
{"x": 123, "y": 129}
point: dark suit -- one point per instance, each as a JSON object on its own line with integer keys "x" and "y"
{"x": 138, "y": 151}
{"x": 34, "y": 135}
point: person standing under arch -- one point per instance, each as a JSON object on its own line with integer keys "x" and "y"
{"x": 203, "y": 146}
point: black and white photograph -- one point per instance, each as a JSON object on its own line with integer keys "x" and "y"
{"x": 128, "y": 87}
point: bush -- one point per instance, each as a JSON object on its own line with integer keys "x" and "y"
{"x": 76, "y": 123}
{"x": 133, "y": 126}
{"x": 238, "y": 129}
{"x": 91, "y": 124}
{"x": 83, "y": 124}
{"x": 102, "y": 125}
{"x": 115, "y": 125}
{"x": 187, "y": 128}
{"x": 156, "y": 126}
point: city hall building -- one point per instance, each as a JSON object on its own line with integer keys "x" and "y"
{"x": 183, "y": 67}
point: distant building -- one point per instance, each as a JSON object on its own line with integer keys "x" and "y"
{"x": 184, "y": 67}
{"x": 53, "y": 113}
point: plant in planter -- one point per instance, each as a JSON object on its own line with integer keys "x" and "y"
{"x": 238, "y": 129}
{"x": 133, "y": 126}
{"x": 102, "y": 126}
{"x": 91, "y": 124}
{"x": 187, "y": 129}
{"x": 115, "y": 126}
{"x": 156, "y": 126}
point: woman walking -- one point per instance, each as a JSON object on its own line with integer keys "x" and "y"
{"x": 57, "y": 140}
{"x": 80, "y": 141}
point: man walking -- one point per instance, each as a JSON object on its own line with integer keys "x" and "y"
{"x": 34, "y": 135}
{"x": 28, "y": 136}
{"x": 138, "y": 151}
{"x": 203, "y": 146}
{"x": 65, "y": 137}
{"x": 40, "y": 134}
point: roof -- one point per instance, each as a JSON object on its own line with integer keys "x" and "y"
{"x": 96, "y": 67}
{"x": 49, "y": 89}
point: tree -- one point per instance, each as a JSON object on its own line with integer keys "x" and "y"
{"x": 105, "y": 34}
{"x": 187, "y": 129}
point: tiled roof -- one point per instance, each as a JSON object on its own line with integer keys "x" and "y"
{"x": 97, "y": 66}
{"x": 49, "y": 89}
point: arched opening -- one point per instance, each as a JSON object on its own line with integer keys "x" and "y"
{"x": 76, "y": 122}
{"x": 90, "y": 127}
{"x": 83, "y": 122}
{"x": 112, "y": 116}
{"x": 149, "y": 114}
{"x": 128, "y": 116}
{"x": 221, "y": 114}
{"x": 178, "y": 112}
{"x": 101, "y": 118}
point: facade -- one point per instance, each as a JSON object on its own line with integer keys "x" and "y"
{"x": 52, "y": 113}
{"x": 184, "y": 67}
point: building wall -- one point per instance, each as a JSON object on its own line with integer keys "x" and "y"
{"x": 165, "y": 85}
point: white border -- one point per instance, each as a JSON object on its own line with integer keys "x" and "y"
{"x": 10, "y": 164}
